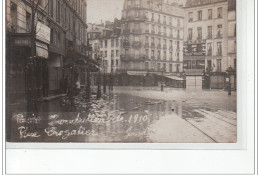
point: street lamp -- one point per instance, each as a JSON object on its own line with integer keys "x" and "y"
{"x": 99, "y": 80}
{"x": 229, "y": 71}
{"x": 162, "y": 83}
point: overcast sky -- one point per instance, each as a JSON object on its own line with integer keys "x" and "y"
{"x": 104, "y": 10}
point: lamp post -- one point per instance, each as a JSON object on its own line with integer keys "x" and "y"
{"x": 99, "y": 81}
{"x": 104, "y": 77}
{"x": 162, "y": 83}
{"x": 229, "y": 70}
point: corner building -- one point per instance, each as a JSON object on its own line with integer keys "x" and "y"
{"x": 206, "y": 35}
{"x": 152, "y": 37}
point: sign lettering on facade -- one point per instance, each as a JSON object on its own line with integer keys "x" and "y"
{"x": 43, "y": 32}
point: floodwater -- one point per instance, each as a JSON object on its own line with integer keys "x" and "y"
{"x": 121, "y": 117}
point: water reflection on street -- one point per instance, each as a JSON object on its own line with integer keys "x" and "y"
{"x": 117, "y": 117}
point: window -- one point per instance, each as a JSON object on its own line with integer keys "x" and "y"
{"x": 152, "y": 16}
{"x": 153, "y": 40}
{"x": 152, "y": 53}
{"x": 158, "y": 66}
{"x": 153, "y": 29}
{"x": 137, "y": 38}
{"x": 58, "y": 11}
{"x": 28, "y": 22}
{"x": 58, "y": 36}
{"x": 101, "y": 53}
{"x": 159, "y": 40}
{"x": 209, "y": 13}
{"x": 235, "y": 30}
{"x": 178, "y": 22}
{"x": 112, "y": 62}
{"x": 117, "y": 53}
{"x": 219, "y": 34}
{"x": 117, "y": 62}
{"x": 199, "y": 15}
{"x": 209, "y": 32}
{"x": 137, "y": 53}
{"x": 209, "y": 49}
{"x": 146, "y": 65}
{"x": 171, "y": 33}
{"x": 170, "y": 56}
{"x": 146, "y": 39}
{"x": 164, "y": 42}
{"x": 178, "y": 33}
{"x": 159, "y": 30}
{"x": 159, "y": 54}
{"x": 13, "y": 15}
{"x": 170, "y": 43}
{"x": 112, "y": 43}
{"x": 165, "y": 33}
{"x": 219, "y": 44}
{"x": 112, "y": 53}
{"x": 170, "y": 21}
{"x": 147, "y": 52}
{"x": 218, "y": 65}
{"x": 164, "y": 55}
{"x": 190, "y": 34}
{"x": 50, "y": 7}
{"x": 190, "y": 16}
{"x": 147, "y": 28}
{"x": 101, "y": 43}
{"x": 159, "y": 18}
{"x": 137, "y": 14}
{"x": 117, "y": 44}
{"x": 170, "y": 67}
{"x": 105, "y": 53}
{"x": 105, "y": 43}
{"x": 220, "y": 12}
{"x": 164, "y": 19}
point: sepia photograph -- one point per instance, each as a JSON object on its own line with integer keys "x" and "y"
{"x": 121, "y": 71}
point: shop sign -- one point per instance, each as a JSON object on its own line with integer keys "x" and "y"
{"x": 42, "y": 50}
{"x": 43, "y": 32}
{"x": 20, "y": 41}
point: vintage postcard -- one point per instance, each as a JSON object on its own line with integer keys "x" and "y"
{"x": 121, "y": 71}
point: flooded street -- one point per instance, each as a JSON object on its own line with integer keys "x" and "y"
{"x": 139, "y": 115}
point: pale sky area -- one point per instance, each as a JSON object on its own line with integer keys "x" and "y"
{"x": 104, "y": 10}
{"x": 107, "y": 10}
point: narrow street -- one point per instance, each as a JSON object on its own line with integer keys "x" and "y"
{"x": 133, "y": 114}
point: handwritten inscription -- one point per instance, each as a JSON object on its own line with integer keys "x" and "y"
{"x": 130, "y": 132}
{"x": 82, "y": 120}
{"x": 21, "y": 119}
{"x": 24, "y": 132}
{"x": 64, "y": 134}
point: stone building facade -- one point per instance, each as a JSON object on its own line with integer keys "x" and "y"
{"x": 152, "y": 37}
{"x": 206, "y": 35}
{"x": 105, "y": 41}
{"x": 62, "y": 41}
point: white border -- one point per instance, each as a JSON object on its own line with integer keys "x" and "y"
{"x": 71, "y": 161}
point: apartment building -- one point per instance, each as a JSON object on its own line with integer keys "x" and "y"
{"x": 152, "y": 37}
{"x": 60, "y": 41}
{"x": 106, "y": 44}
{"x": 206, "y": 35}
{"x": 232, "y": 42}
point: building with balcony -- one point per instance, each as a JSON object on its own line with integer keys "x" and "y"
{"x": 106, "y": 44}
{"x": 206, "y": 35}
{"x": 60, "y": 41}
{"x": 152, "y": 37}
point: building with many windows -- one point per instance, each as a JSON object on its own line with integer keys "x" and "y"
{"x": 152, "y": 37}
{"x": 60, "y": 43}
{"x": 206, "y": 34}
{"x": 106, "y": 44}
